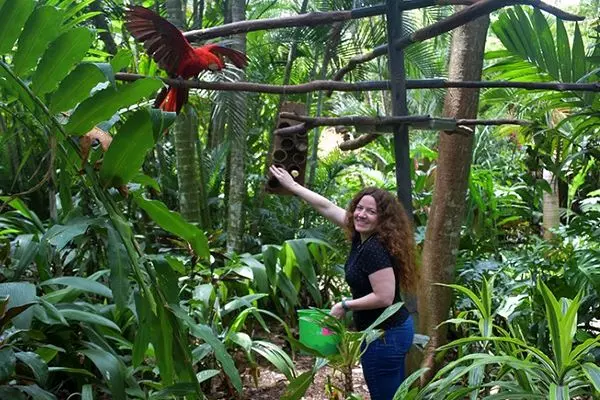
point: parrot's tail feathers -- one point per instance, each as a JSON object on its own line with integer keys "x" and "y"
{"x": 173, "y": 100}
{"x": 161, "y": 97}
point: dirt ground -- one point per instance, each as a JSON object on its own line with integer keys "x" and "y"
{"x": 272, "y": 384}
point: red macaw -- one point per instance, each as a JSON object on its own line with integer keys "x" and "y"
{"x": 173, "y": 53}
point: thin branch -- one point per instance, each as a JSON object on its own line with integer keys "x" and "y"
{"x": 492, "y": 122}
{"x": 463, "y": 127}
{"x": 318, "y": 85}
{"x": 379, "y": 124}
{"x": 309, "y": 19}
{"x": 355, "y": 120}
{"x": 357, "y": 143}
{"x": 460, "y": 18}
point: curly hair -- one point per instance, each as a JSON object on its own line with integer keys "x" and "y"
{"x": 394, "y": 230}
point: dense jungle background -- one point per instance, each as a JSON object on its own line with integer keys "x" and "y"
{"x": 142, "y": 258}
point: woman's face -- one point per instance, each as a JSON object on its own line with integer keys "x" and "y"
{"x": 365, "y": 216}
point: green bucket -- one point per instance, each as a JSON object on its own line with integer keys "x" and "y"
{"x": 313, "y": 333}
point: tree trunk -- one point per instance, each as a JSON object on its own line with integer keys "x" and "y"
{"x": 104, "y": 29}
{"x": 448, "y": 204}
{"x": 551, "y": 216}
{"x": 185, "y": 131}
{"x": 237, "y": 184}
{"x": 175, "y": 13}
{"x": 197, "y": 14}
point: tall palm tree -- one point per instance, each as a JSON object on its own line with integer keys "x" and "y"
{"x": 237, "y": 130}
{"x": 185, "y": 132}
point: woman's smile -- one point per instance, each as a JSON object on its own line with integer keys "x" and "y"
{"x": 365, "y": 216}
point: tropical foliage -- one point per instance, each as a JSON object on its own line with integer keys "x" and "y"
{"x": 109, "y": 289}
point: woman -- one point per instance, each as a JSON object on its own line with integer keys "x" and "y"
{"x": 381, "y": 261}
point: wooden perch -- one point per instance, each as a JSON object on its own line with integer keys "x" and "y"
{"x": 310, "y": 19}
{"x": 361, "y": 86}
{"x": 357, "y": 143}
{"x": 383, "y": 124}
{"x": 460, "y": 18}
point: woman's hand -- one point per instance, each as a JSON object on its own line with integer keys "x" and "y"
{"x": 338, "y": 311}
{"x": 284, "y": 178}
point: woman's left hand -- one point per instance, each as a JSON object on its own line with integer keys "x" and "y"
{"x": 337, "y": 310}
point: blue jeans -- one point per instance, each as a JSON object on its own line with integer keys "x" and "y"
{"x": 383, "y": 361}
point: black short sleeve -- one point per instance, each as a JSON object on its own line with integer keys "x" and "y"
{"x": 364, "y": 259}
{"x": 374, "y": 257}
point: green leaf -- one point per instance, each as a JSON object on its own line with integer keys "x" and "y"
{"x": 554, "y": 319}
{"x": 127, "y": 151}
{"x": 122, "y": 59}
{"x": 564, "y": 52}
{"x": 22, "y": 208}
{"x": 53, "y": 313}
{"x": 87, "y": 392}
{"x": 207, "y": 374}
{"x": 60, "y": 57}
{"x": 39, "y": 31}
{"x": 36, "y": 392}
{"x": 24, "y": 254}
{"x": 75, "y": 7}
{"x": 544, "y": 35}
{"x": 403, "y": 389}
{"x": 14, "y": 87}
{"x": 163, "y": 342}
{"x": 7, "y": 364}
{"x": 241, "y": 339}
{"x": 72, "y": 371}
{"x": 584, "y": 348}
{"x": 119, "y": 265}
{"x": 470, "y": 294}
{"x": 84, "y": 316}
{"x": 82, "y": 18}
{"x": 205, "y": 333}
{"x": 145, "y": 322}
{"x": 178, "y": 390}
{"x": 60, "y": 235}
{"x": 298, "y": 387}
{"x": 145, "y": 180}
{"x": 258, "y": 271}
{"x": 35, "y": 364}
{"x": 592, "y": 371}
{"x": 106, "y": 102}
{"x": 173, "y": 222}
{"x": 242, "y": 301}
{"x": 305, "y": 265}
{"x": 13, "y": 312}
{"x": 161, "y": 121}
{"x": 12, "y": 20}
{"x": 111, "y": 369}
{"x": 167, "y": 279}
{"x": 388, "y": 312}
{"x": 558, "y": 392}
{"x": 578, "y": 57}
{"x": 12, "y": 393}
{"x": 77, "y": 86}
{"x": 87, "y": 285}
{"x": 522, "y": 23}
{"x": 276, "y": 356}
{"x": 19, "y": 293}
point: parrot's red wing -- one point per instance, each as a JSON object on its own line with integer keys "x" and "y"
{"x": 162, "y": 40}
{"x": 238, "y": 58}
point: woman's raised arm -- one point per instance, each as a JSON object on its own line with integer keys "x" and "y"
{"x": 324, "y": 206}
